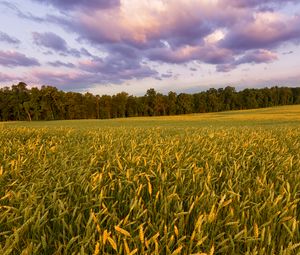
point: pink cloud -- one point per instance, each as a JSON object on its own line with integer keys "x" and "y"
{"x": 207, "y": 53}
{"x": 251, "y": 57}
{"x": 64, "y": 80}
{"x": 13, "y": 59}
{"x": 8, "y": 78}
{"x": 142, "y": 23}
{"x": 265, "y": 30}
{"x": 258, "y": 56}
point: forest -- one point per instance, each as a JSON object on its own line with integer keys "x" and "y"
{"x": 19, "y": 102}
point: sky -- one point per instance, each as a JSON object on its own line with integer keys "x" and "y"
{"x": 110, "y": 46}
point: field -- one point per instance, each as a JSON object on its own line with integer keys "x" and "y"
{"x": 217, "y": 183}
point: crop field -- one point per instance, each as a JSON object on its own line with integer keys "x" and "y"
{"x": 217, "y": 183}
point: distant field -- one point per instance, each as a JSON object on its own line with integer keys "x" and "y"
{"x": 216, "y": 183}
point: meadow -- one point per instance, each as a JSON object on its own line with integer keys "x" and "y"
{"x": 215, "y": 183}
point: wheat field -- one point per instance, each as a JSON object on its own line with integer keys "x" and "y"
{"x": 223, "y": 183}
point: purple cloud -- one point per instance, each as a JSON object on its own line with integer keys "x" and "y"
{"x": 163, "y": 36}
{"x": 166, "y": 75}
{"x": 124, "y": 50}
{"x": 254, "y": 3}
{"x": 115, "y": 27}
{"x": 206, "y": 54}
{"x": 178, "y": 32}
{"x": 50, "y": 40}
{"x": 59, "y": 64}
{"x": 8, "y": 78}
{"x": 8, "y": 39}
{"x": 251, "y": 57}
{"x": 266, "y": 30}
{"x": 64, "y": 80}
{"x": 86, "y": 4}
{"x": 173, "y": 41}
{"x": 287, "y": 52}
{"x": 257, "y": 57}
{"x": 116, "y": 68}
{"x": 224, "y": 68}
{"x": 85, "y": 52}
{"x": 93, "y": 75}
{"x": 54, "y": 42}
{"x": 13, "y": 59}
{"x": 24, "y": 15}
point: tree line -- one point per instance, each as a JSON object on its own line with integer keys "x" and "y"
{"x": 18, "y": 102}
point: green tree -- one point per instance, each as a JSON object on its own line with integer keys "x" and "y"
{"x": 200, "y": 102}
{"x": 185, "y": 103}
{"x": 171, "y": 103}
{"x": 131, "y": 107}
{"x": 105, "y": 107}
{"x": 119, "y": 102}
{"x": 150, "y": 100}
{"x": 212, "y": 100}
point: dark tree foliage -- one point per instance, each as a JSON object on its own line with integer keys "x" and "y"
{"x": 48, "y": 103}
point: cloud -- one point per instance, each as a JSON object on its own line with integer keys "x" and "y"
{"x": 144, "y": 23}
{"x": 257, "y": 57}
{"x": 116, "y": 68}
{"x": 14, "y": 59}
{"x": 287, "y": 52}
{"x": 54, "y": 42}
{"x": 166, "y": 75}
{"x": 180, "y": 31}
{"x": 50, "y": 40}
{"x": 85, "y": 52}
{"x": 86, "y": 4}
{"x": 252, "y": 57}
{"x": 266, "y": 30}
{"x": 79, "y": 79}
{"x": 63, "y": 80}
{"x": 8, "y": 39}
{"x": 208, "y": 54}
{"x": 8, "y": 78}
{"x": 225, "y": 67}
{"x": 112, "y": 69}
{"x": 21, "y": 14}
{"x": 254, "y": 3}
{"x": 59, "y": 64}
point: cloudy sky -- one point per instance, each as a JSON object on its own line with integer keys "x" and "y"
{"x": 109, "y": 46}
